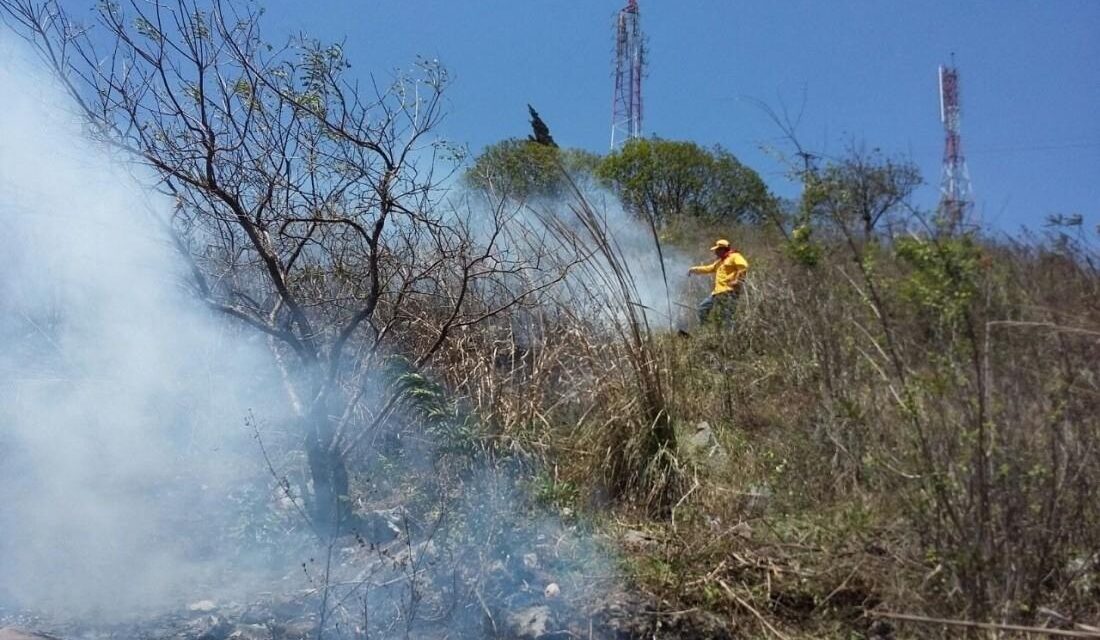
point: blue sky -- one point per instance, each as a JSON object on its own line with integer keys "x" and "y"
{"x": 1029, "y": 74}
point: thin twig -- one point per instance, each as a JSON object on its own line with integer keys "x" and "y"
{"x": 991, "y": 626}
{"x": 748, "y": 607}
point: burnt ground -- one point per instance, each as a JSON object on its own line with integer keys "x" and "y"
{"x": 620, "y": 616}
{"x": 551, "y": 586}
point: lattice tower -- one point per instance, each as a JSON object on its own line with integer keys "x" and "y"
{"x": 956, "y": 200}
{"x": 630, "y": 54}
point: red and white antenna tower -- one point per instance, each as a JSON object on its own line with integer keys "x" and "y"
{"x": 626, "y": 103}
{"x": 955, "y": 197}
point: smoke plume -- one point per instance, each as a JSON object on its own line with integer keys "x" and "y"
{"x": 129, "y": 482}
{"x": 122, "y": 402}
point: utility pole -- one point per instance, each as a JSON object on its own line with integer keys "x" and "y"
{"x": 626, "y": 103}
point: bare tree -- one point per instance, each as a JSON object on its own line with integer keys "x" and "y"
{"x": 859, "y": 192}
{"x": 306, "y": 203}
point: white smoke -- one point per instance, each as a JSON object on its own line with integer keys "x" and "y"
{"x": 550, "y": 232}
{"x": 125, "y": 461}
{"x": 659, "y": 276}
{"x": 122, "y": 401}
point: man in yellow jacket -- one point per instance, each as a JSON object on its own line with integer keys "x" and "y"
{"x": 729, "y": 269}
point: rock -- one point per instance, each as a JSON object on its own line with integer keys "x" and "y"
{"x": 552, "y": 590}
{"x": 210, "y": 627}
{"x": 381, "y": 526}
{"x": 251, "y": 632}
{"x": 702, "y": 448}
{"x": 300, "y": 629}
{"x": 635, "y": 538}
{"x": 532, "y": 622}
{"x": 703, "y": 443}
{"x": 202, "y": 606}
{"x": 257, "y": 613}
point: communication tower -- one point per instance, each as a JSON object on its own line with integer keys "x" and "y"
{"x": 956, "y": 200}
{"x": 626, "y": 103}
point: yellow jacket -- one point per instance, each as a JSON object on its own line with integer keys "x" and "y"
{"x": 728, "y": 272}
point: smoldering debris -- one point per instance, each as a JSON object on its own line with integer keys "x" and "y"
{"x": 479, "y": 567}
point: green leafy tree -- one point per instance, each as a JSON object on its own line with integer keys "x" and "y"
{"x": 516, "y": 168}
{"x": 535, "y": 167}
{"x": 523, "y": 169}
{"x": 662, "y": 179}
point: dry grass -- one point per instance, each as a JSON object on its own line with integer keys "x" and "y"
{"x": 842, "y": 482}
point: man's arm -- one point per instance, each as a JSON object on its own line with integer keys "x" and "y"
{"x": 705, "y": 268}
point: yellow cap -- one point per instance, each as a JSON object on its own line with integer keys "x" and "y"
{"x": 721, "y": 244}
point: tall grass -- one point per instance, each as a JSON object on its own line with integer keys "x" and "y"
{"x": 919, "y": 410}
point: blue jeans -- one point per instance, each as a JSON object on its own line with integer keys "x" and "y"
{"x": 717, "y": 308}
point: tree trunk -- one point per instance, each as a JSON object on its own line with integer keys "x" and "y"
{"x": 330, "y": 506}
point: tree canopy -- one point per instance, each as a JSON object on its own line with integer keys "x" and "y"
{"x": 524, "y": 169}
{"x": 662, "y": 179}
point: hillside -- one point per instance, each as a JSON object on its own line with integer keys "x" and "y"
{"x": 277, "y": 361}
